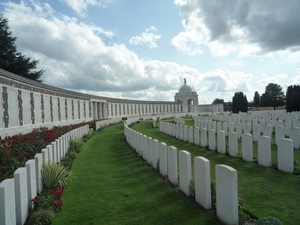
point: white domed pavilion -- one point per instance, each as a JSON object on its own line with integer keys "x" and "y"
{"x": 188, "y": 98}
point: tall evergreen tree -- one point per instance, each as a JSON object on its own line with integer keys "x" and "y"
{"x": 239, "y": 103}
{"x": 12, "y": 60}
{"x": 293, "y": 98}
{"x": 256, "y": 99}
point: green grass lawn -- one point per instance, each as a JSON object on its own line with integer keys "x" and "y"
{"x": 112, "y": 185}
{"x": 268, "y": 192}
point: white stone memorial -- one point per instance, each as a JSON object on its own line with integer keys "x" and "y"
{"x": 279, "y": 133}
{"x": 285, "y": 155}
{"x": 21, "y": 195}
{"x": 196, "y": 136}
{"x": 185, "y": 171}
{"x": 38, "y": 166}
{"x": 202, "y": 181}
{"x": 203, "y": 137}
{"x": 233, "y": 144}
{"x": 264, "y": 151}
{"x": 163, "y": 159}
{"x": 7, "y": 202}
{"x": 227, "y": 194}
{"x": 212, "y": 139}
{"x": 31, "y": 181}
{"x": 221, "y": 142}
{"x": 247, "y": 147}
{"x": 172, "y": 165}
{"x": 155, "y": 154}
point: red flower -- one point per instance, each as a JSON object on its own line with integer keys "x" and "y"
{"x": 35, "y": 199}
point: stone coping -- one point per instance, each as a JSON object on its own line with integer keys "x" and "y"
{"x": 17, "y": 81}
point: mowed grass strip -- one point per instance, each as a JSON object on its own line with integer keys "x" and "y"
{"x": 268, "y": 192}
{"x": 111, "y": 185}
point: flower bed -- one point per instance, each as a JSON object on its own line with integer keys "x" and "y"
{"x": 16, "y": 150}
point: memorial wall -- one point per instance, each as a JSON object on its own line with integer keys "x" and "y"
{"x": 26, "y": 104}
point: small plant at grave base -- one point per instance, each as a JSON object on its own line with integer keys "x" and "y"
{"x": 54, "y": 175}
{"x": 157, "y": 165}
{"x": 140, "y": 154}
{"x": 40, "y": 216}
{"x": 76, "y": 145}
{"x": 87, "y": 136}
{"x": 213, "y": 194}
{"x": 268, "y": 221}
{"x": 68, "y": 160}
{"x": 192, "y": 187}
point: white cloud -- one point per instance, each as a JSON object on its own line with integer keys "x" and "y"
{"x": 250, "y": 27}
{"x": 148, "y": 37}
{"x": 81, "y": 6}
{"x": 274, "y": 79}
{"x": 74, "y": 56}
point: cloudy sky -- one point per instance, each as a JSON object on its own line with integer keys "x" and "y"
{"x": 143, "y": 49}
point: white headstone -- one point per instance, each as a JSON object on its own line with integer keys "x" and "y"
{"x": 264, "y": 151}
{"x": 7, "y": 202}
{"x": 295, "y": 136}
{"x": 21, "y": 195}
{"x": 38, "y": 166}
{"x": 247, "y": 147}
{"x": 202, "y": 181}
{"x": 163, "y": 159}
{"x": 191, "y": 134}
{"x": 212, "y": 139}
{"x": 227, "y": 194}
{"x": 185, "y": 133}
{"x": 172, "y": 165}
{"x": 31, "y": 181}
{"x": 185, "y": 171}
{"x": 196, "y": 136}
{"x": 233, "y": 144}
{"x": 279, "y": 133}
{"x": 155, "y": 154}
{"x": 256, "y": 132}
{"x": 221, "y": 142}
{"x": 285, "y": 155}
{"x": 203, "y": 137}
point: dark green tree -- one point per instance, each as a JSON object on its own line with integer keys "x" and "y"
{"x": 256, "y": 99}
{"x": 273, "y": 96}
{"x": 12, "y": 60}
{"x": 293, "y": 98}
{"x": 239, "y": 103}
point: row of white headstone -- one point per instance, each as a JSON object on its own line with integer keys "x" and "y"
{"x": 16, "y": 193}
{"x": 207, "y": 137}
{"x": 179, "y": 172}
{"x": 288, "y": 128}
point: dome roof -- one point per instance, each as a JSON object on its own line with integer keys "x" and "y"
{"x": 185, "y": 89}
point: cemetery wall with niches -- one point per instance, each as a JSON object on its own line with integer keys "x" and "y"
{"x": 26, "y": 105}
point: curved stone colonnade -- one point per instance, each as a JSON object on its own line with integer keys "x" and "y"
{"x": 26, "y": 105}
